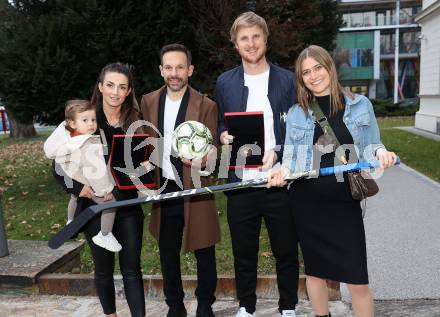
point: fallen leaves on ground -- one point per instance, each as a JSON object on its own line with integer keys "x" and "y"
{"x": 20, "y": 153}
{"x": 18, "y": 157}
{"x": 55, "y": 226}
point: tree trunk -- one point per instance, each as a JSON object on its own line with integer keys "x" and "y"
{"x": 20, "y": 130}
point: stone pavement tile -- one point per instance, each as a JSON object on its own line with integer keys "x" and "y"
{"x": 269, "y": 308}
{"x": 69, "y": 306}
{"x": 51, "y": 306}
{"x": 420, "y": 132}
{"x": 82, "y": 306}
{"x": 408, "y": 308}
{"x": 27, "y": 259}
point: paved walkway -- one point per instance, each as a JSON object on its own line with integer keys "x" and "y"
{"x": 420, "y": 132}
{"x": 403, "y": 237}
{"x": 68, "y": 306}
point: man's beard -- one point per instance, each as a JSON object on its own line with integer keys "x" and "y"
{"x": 178, "y": 87}
{"x": 255, "y": 59}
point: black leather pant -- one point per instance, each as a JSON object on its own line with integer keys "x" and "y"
{"x": 128, "y": 230}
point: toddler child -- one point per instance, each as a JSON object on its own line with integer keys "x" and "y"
{"x": 79, "y": 152}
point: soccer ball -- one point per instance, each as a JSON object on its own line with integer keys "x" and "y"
{"x": 191, "y": 140}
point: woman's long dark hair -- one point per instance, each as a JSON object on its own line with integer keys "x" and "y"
{"x": 130, "y": 107}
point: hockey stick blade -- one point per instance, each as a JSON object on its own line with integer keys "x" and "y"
{"x": 72, "y": 228}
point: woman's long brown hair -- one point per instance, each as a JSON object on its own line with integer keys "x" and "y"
{"x": 305, "y": 96}
{"x": 130, "y": 108}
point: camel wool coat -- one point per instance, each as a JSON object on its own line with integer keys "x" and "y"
{"x": 202, "y": 227}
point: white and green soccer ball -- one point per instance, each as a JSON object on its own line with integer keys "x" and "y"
{"x": 191, "y": 140}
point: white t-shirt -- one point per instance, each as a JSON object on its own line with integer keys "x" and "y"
{"x": 169, "y": 121}
{"x": 258, "y": 100}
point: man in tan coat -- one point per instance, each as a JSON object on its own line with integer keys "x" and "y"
{"x": 194, "y": 218}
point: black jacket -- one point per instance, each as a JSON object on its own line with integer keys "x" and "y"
{"x": 231, "y": 96}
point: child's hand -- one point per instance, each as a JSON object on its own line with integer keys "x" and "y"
{"x": 108, "y": 196}
{"x": 87, "y": 192}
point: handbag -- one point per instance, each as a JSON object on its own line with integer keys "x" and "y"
{"x": 361, "y": 187}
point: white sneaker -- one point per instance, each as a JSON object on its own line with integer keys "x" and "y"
{"x": 243, "y": 313}
{"x": 288, "y": 313}
{"x": 108, "y": 242}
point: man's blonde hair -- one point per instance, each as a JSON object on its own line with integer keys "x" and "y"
{"x": 248, "y": 19}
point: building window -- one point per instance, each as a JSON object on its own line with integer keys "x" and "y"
{"x": 408, "y": 79}
{"x": 407, "y": 14}
{"x": 354, "y": 55}
{"x": 409, "y": 42}
{"x": 387, "y": 43}
{"x": 380, "y": 17}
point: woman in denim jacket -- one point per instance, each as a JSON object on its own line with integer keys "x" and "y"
{"x": 328, "y": 220}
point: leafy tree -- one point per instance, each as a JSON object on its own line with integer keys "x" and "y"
{"x": 43, "y": 58}
{"x": 293, "y": 25}
{"x": 52, "y": 50}
{"x": 135, "y": 31}
{"x": 214, "y": 53}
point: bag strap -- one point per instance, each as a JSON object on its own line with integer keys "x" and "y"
{"x": 321, "y": 119}
{"x": 103, "y": 138}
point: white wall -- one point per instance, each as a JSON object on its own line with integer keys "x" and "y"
{"x": 427, "y": 3}
{"x": 430, "y": 56}
{"x": 428, "y": 116}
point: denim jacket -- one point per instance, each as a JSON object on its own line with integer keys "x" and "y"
{"x": 358, "y": 117}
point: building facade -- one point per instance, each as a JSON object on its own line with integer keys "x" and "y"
{"x": 365, "y": 51}
{"x": 428, "y": 116}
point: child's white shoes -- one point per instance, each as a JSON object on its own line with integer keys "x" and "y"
{"x": 107, "y": 242}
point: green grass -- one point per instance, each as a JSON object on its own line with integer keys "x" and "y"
{"x": 5, "y": 140}
{"x": 388, "y": 123}
{"x": 416, "y": 151}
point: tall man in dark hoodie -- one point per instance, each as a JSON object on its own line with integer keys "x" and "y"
{"x": 257, "y": 85}
{"x": 196, "y": 218}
